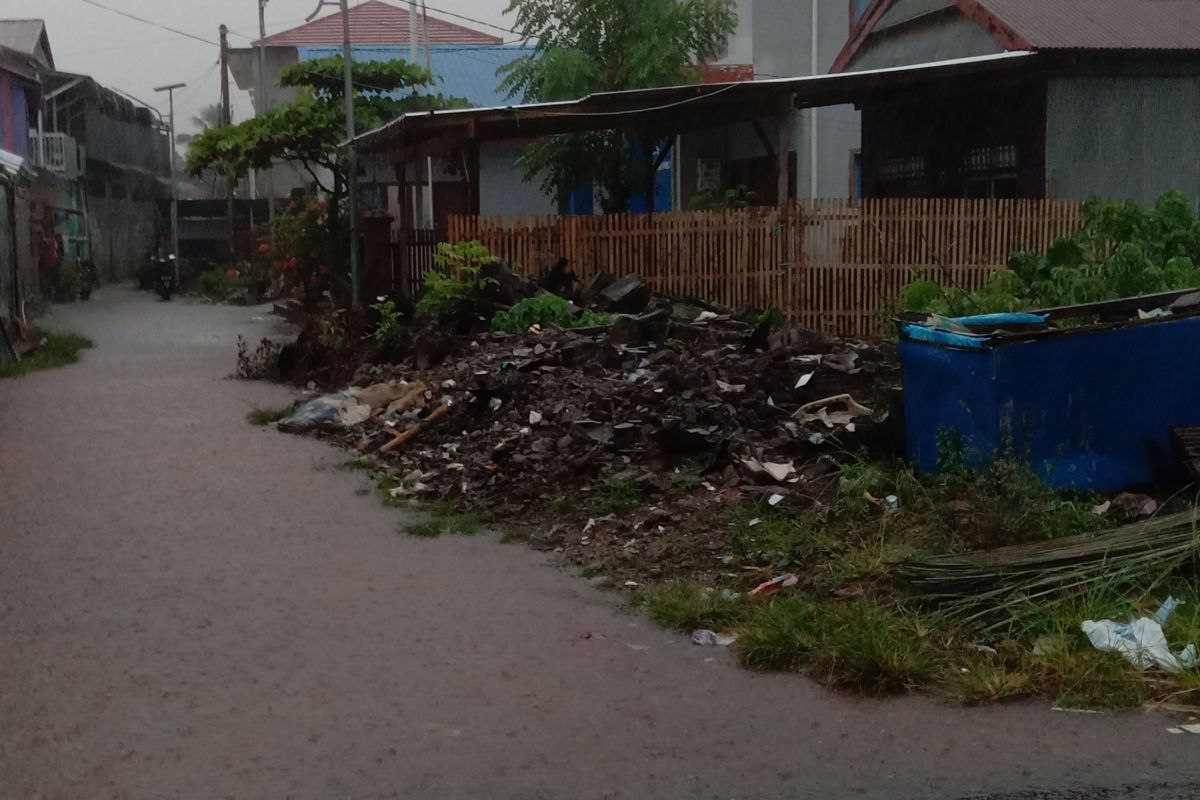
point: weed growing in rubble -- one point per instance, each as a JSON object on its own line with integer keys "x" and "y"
{"x": 619, "y": 493}
{"x": 547, "y": 309}
{"x": 268, "y": 416}
{"x": 56, "y": 350}
{"x": 260, "y": 365}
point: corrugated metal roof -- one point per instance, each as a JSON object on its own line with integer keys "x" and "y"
{"x": 1102, "y": 24}
{"x": 674, "y": 109}
{"x": 375, "y": 23}
{"x": 468, "y": 72}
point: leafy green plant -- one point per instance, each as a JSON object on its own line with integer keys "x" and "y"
{"x": 1123, "y": 250}
{"x": 390, "y": 323}
{"x": 454, "y": 291}
{"x": 216, "y": 284}
{"x": 546, "y": 309}
{"x": 620, "y": 492}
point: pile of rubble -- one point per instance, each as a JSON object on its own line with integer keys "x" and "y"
{"x": 688, "y": 404}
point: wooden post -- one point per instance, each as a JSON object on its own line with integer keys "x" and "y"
{"x": 471, "y": 157}
{"x": 400, "y": 262}
{"x": 227, "y": 119}
{"x": 783, "y": 153}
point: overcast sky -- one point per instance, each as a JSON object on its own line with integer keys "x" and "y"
{"x": 134, "y": 57}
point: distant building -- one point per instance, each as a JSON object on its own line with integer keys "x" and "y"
{"x": 1108, "y": 107}
{"x": 91, "y": 165}
{"x": 774, "y": 39}
{"x": 464, "y": 62}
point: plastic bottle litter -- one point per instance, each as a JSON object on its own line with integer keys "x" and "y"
{"x": 707, "y": 638}
{"x": 1166, "y": 610}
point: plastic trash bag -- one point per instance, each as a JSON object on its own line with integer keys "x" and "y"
{"x": 338, "y": 410}
{"x": 1142, "y": 642}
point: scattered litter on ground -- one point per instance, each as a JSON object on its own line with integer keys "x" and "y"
{"x": 707, "y": 638}
{"x": 774, "y": 585}
{"x": 1141, "y": 642}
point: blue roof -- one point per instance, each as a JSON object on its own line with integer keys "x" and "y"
{"x": 459, "y": 71}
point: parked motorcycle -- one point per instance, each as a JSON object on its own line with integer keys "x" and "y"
{"x": 164, "y": 277}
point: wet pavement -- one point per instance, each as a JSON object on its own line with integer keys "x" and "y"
{"x": 191, "y": 607}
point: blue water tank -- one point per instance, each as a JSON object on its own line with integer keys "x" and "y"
{"x": 1092, "y": 407}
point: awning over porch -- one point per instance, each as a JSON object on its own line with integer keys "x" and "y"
{"x": 671, "y": 110}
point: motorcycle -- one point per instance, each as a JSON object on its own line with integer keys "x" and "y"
{"x": 164, "y": 277}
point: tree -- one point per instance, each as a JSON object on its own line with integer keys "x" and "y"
{"x": 586, "y": 46}
{"x": 311, "y": 130}
{"x": 207, "y": 117}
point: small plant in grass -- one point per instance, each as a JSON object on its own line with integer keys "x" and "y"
{"x": 681, "y": 481}
{"x": 620, "y": 492}
{"x": 56, "y": 350}
{"x": 546, "y": 309}
{"x": 687, "y": 606}
{"x": 876, "y": 649}
{"x": 445, "y": 519}
{"x": 515, "y": 536}
{"x": 268, "y": 416}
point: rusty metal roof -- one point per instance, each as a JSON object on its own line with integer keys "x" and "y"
{"x": 1102, "y": 24}
{"x": 375, "y": 23}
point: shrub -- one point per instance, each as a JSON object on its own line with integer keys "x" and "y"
{"x": 454, "y": 294}
{"x": 1123, "y": 250}
{"x": 545, "y": 310}
{"x": 217, "y": 285}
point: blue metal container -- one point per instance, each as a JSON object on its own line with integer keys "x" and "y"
{"x": 1092, "y": 406}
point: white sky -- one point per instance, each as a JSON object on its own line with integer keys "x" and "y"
{"x": 134, "y": 57}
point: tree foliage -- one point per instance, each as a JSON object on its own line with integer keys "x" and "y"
{"x": 586, "y": 46}
{"x": 310, "y": 130}
{"x": 1123, "y": 250}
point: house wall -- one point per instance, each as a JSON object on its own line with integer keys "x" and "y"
{"x": 503, "y": 189}
{"x": 920, "y": 31}
{"x": 931, "y": 137}
{"x": 1122, "y": 137}
{"x": 20, "y": 281}
{"x": 123, "y": 223}
{"x": 14, "y": 116}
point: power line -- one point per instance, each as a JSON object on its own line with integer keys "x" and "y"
{"x": 151, "y": 23}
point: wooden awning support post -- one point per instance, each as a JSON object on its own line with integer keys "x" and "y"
{"x": 401, "y": 271}
{"x": 783, "y": 153}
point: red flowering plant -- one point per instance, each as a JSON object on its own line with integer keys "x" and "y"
{"x": 305, "y": 257}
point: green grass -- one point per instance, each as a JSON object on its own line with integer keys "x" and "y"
{"x": 445, "y": 519}
{"x": 619, "y": 493}
{"x": 515, "y": 536}
{"x": 57, "y": 350}
{"x": 268, "y": 416}
{"x": 687, "y": 606}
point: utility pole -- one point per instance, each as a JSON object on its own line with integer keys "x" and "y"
{"x": 352, "y": 161}
{"x": 227, "y": 119}
{"x": 414, "y": 58}
{"x": 264, "y": 105}
{"x": 170, "y": 90}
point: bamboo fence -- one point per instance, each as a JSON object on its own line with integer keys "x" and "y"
{"x": 832, "y": 265}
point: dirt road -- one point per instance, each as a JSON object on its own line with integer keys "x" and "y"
{"x": 191, "y": 607}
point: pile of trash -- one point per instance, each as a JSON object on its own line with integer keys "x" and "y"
{"x": 688, "y": 403}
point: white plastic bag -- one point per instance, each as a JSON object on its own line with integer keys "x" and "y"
{"x": 1142, "y": 642}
